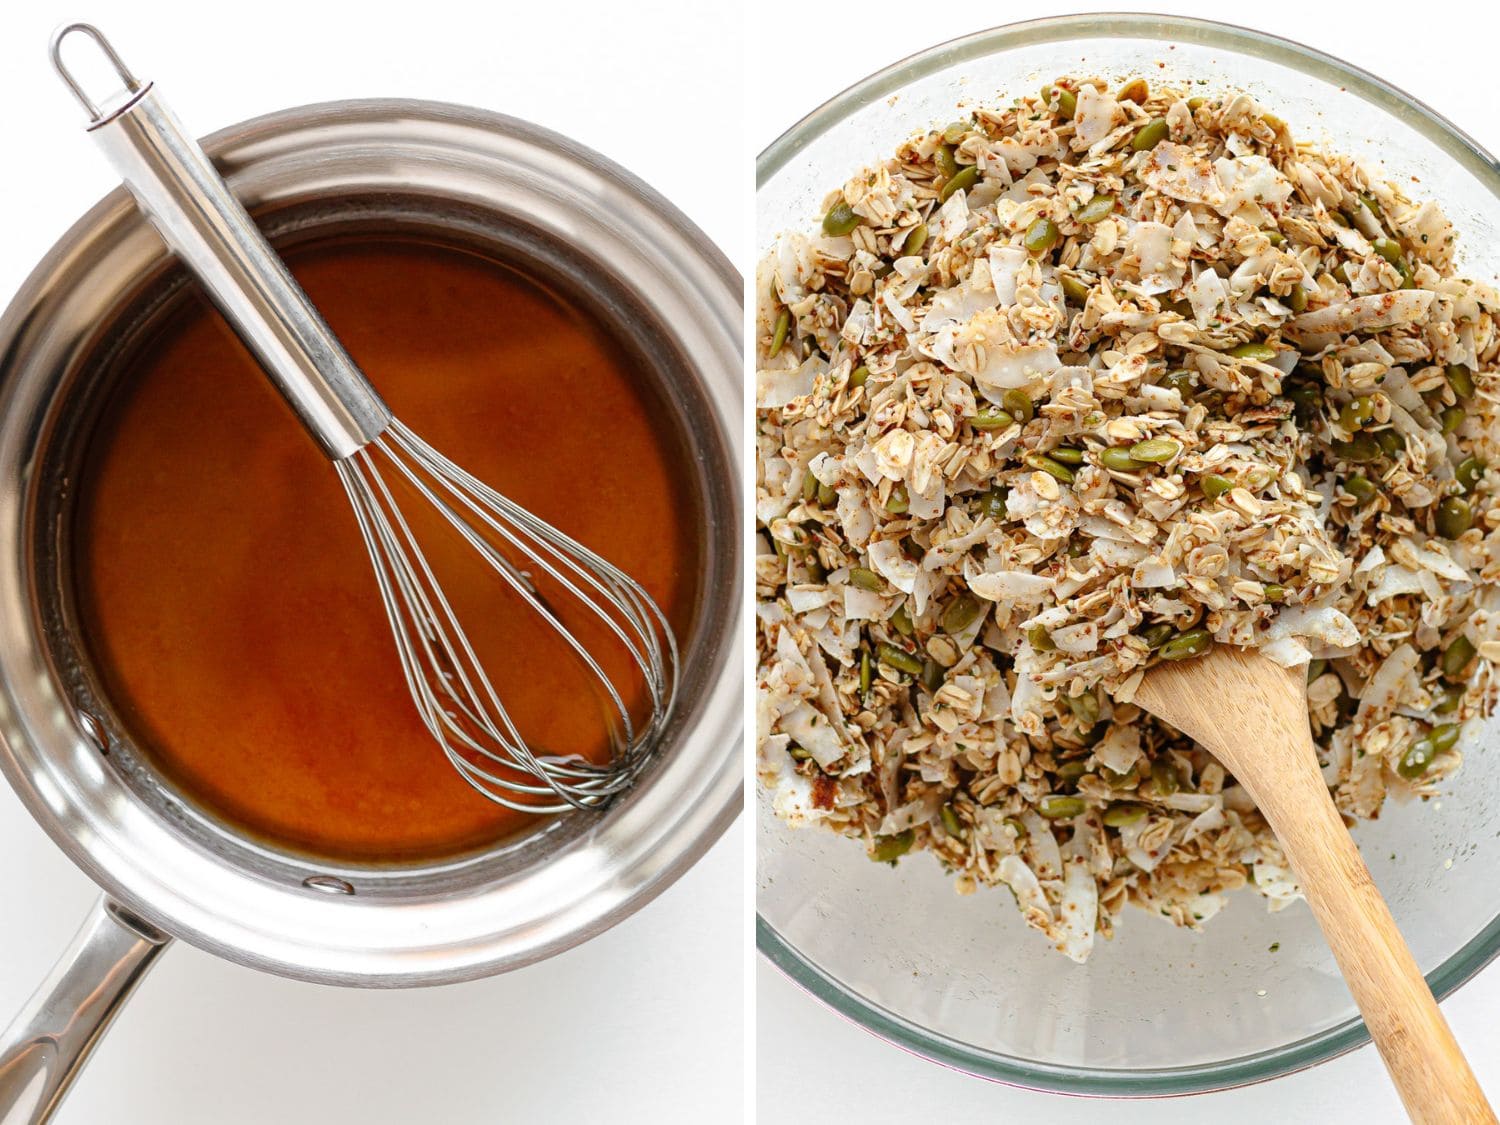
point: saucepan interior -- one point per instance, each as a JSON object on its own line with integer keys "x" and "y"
{"x": 440, "y": 175}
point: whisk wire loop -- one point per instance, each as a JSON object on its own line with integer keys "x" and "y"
{"x": 455, "y": 696}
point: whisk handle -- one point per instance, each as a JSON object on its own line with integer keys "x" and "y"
{"x": 178, "y": 189}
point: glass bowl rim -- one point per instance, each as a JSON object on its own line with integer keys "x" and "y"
{"x": 1259, "y": 1066}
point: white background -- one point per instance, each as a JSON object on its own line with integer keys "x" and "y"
{"x": 644, "y": 1024}
{"x": 812, "y": 1065}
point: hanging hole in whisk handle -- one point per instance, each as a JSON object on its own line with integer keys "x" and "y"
{"x": 132, "y": 84}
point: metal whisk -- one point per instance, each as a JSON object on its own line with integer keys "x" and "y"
{"x": 179, "y": 190}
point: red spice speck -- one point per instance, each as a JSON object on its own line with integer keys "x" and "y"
{"x": 822, "y": 791}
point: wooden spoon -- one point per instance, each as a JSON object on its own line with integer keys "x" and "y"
{"x": 1251, "y": 714}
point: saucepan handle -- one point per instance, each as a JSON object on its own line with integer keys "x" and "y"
{"x": 47, "y": 1044}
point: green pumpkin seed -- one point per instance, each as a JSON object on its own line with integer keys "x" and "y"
{"x": 1074, "y": 290}
{"x": 1180, "y": 381}
{"x": 1072, "y": 771}
{"x": 1041, "y": 236}
{"x": 947, "y": 164}
{"x": 1460, "y": 380}
{"x": 1361, "y": 488}
{"x": 992, "y": 418}
{"x": 1446, "y": 702}
{"x": 951, "y": 824}
{"x": 888, "y": 849}
{"x": 1098, "y": 208}
{"x": 827, "y": 495}
{"x": 1357, "y": 412}
{"x": 859, "y": 376}
{"x": 1067, "y": 454}
{"x": 1417, "y": 759}
{"x": 932, "y": 676}
{"x": 1041, "y": 639}
{"x": 1454, "y": 517}
{"x": 1469, "y": 470}
{"x": 1452, "y": 418}
{"x": 1121, "y": 814}
{"x": 1359, "y": 449}
{"x": 1150, "y": 134}
{"x": 1194, "y": 642}
{"x": 1118, "y": 458}
{"x": 1316, "y": 668}
{"x": 1015, "y": 826}
{"x": 1157, "y": 635}
{"x": 898, "y": 658}
{"x": 901, "y": 621}
{"x": 1156, "y": 450}
{"x": 1389, "y": 249}
{"x": 1297, "y": 299}
{"x": 1019, "y": 403}
{"x": 778, "y": 337}
{"x": 1445, "y": 736}
{"x": 960, "y": 181}
{"x": 1253, "y": 349}
{"x": 898, "y": 501}
{"x": 840, "y": 219}
{"x": 1164, "y": 779}
{"x": 866, "y": 674}
{"x": 1085, "y": 708}
{"x": 1456, "y": 657}
{"x": 809, "y": 487}
{"x": 1391, "y": 443}
{"x": 1274, "y": 592}
{"x": 961, "y": 612}
{"x": 1065, "y": 102}
{"x": 1306, "y": 396}
{"x": 1056, "y": 806}
{"x": 956, "y": 131}
{"x": 1134, "y": 91}
{"x": 865, "y": 578}
{"x": 993, "y": 503}
{"x": 1215, "y": 485}
{"x": 916, "y": 238}
{"x": 1055, "y": 469}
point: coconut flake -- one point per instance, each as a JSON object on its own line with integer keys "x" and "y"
{"x": 1011, "y": 586}
{"x": 1096, "y": 114}
{"x": 887, "y": 559}
{"x": 775, "y": 387}
{"x": 1375, "y": 310}
{"x": 1009, "y": 367}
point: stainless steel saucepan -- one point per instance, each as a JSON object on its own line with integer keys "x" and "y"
{"x": 167, "y": 869}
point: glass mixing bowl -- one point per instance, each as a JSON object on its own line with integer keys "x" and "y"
{"x": 1158, "y": 1010}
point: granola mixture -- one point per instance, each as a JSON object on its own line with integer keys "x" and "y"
{"x": 1104, "y": 378}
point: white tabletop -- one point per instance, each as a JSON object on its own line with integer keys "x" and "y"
{"x": 814, "y": 1066}
{"x": 643, "y": 1024}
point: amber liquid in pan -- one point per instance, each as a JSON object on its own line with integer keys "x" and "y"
{"x": 226, "y": 596}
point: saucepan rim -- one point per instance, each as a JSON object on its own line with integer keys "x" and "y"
{"x": 604, "y": 871}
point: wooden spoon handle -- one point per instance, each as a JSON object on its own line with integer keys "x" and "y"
{"x": 1424, "y": 1060}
